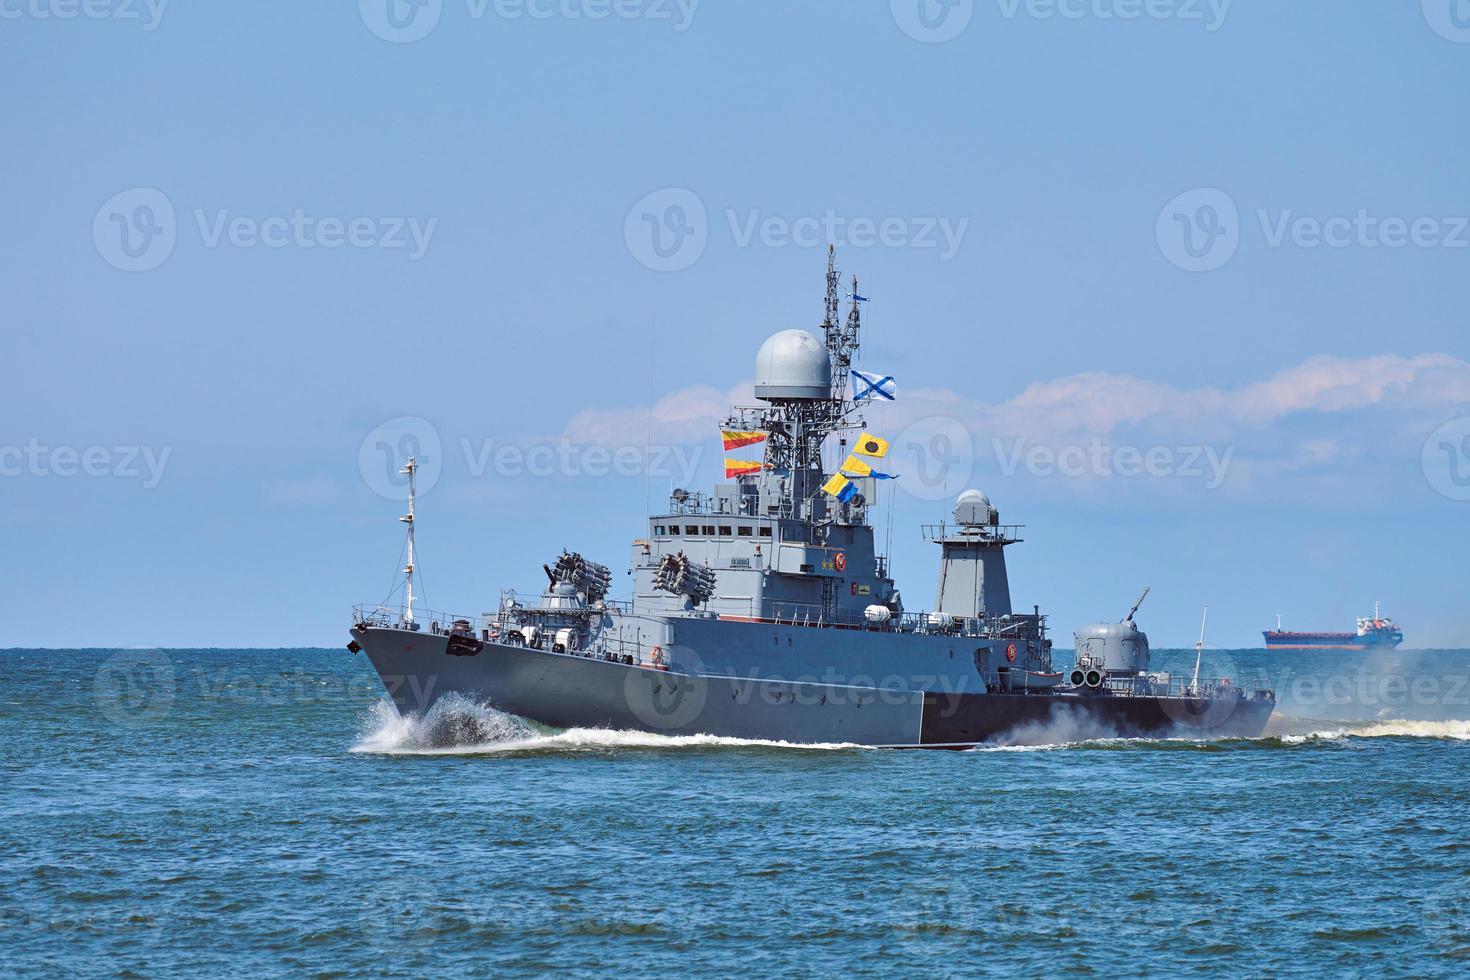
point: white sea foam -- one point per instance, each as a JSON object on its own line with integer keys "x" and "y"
{"x": 1449, "y": 730}
{"x": 1280, "y": 731}
{"x": 459, "y": 726}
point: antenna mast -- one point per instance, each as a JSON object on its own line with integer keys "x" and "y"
{"x": 1199, "y": 652}
{"x": 841, "y": 340}
{"x": 408, "y": 471}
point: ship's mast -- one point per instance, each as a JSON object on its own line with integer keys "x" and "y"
{"x": 1199, "y": 652}
{"x": 408, "y": 471}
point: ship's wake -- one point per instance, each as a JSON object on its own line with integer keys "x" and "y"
{"x": 456, "y": 725}
{"x": 1281, "y": 733}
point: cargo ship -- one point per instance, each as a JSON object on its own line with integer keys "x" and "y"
{"x": 1374, "y": 632}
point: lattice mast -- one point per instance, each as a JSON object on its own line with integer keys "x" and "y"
{"x": 799, "y": 428}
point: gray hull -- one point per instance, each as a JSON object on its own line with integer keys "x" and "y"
{"x": 571, "y": 691}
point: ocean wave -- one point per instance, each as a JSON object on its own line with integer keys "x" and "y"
{"x": 456, "y": 725}
{"x": 1446, "y": 730}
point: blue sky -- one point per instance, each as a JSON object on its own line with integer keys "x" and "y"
{"x": 1182, "y": 286}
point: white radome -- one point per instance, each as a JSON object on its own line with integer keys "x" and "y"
{"x": 793, "y": 364}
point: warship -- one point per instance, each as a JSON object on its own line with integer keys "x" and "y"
{"x": 764, "y": 610}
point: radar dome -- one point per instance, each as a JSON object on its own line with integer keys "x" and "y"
{"x": 793, "y": 364}
{"x": 972, "y": 509}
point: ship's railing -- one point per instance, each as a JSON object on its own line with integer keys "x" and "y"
{"x": 1158, "y": 685}
{"x": 1021, "y": 626}
{"x": 531, "y": 603}
{"x": 990, "y": 533}
{"x": 560, "y": 631}
{"x": 396, "y": 617}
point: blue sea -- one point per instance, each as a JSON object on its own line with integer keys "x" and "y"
{"x": 266, "y": 813}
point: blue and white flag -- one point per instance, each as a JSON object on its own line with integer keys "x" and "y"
{"x": 867, "y": 385}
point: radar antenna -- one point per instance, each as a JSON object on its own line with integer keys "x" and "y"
{"x": 1129, "y": 618}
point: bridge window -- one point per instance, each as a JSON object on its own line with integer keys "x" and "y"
{"x": 745, "y": 530}
{"x": 765, "y": 531}
{"x": 691, "y": 528}
{"x": 709, "y": 530}
{"x": 724, "y": 530}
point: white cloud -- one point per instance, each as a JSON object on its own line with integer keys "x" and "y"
{"x": 1095, "y": 404}
{"x": 683, "y": 416}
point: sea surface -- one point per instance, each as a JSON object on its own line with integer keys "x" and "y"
{"x": 267, "y": 813}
